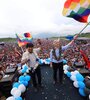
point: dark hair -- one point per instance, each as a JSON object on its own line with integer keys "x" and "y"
{"x": 29, "y": 45}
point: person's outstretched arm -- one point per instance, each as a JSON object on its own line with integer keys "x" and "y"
{"x": 70, "y": 43}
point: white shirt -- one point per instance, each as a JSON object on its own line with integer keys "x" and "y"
{"x": 32, "y": 63}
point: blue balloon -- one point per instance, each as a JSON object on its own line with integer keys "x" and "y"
{"x": 25, "y": 83}
{"x": 48, "y": 60}
{"x": 81, "y": 84}
{"x": 25, "y": 67}
{"x": 18, "y": 98}
{"x": 21, "y": 78}
{"x": 22, "y": 82}
{"x": 68, "y": 74}
{"x": 23, "y": 70}
{"x": 27, "y": 78}
{"x": 81, "y": 91}
{"x": 79, "y": 77}
{"x": 16, "y": 84}
{"x": 64, "y": 61}
{"x": 40, "y": 62}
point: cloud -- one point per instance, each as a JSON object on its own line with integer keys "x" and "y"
{"x": 35, "y": 16}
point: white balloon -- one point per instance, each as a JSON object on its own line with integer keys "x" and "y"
{"x": 17, "y": 93}
{"x": 75, "y": 83}
{"x": 73, "y": 78}
{"x": 89, "y": 96}
{"x": 22, "y": 88}
{"x": 10, "y": 98}
{"x": 72, "y": 73}
{"x": 13, "y": 90}
{"x": 25, "y": 74}
{"x": 27, "y": 71}
{"x": 65, "y": 71}
{"x": 45, "y": 62}
{"x": 65, "y": 67}
{"x": 76, "y": 72}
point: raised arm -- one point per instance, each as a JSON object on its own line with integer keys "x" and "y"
{"x": 70, "y": 43}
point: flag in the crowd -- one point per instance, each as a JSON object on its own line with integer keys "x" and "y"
{"x": 87, "y": 61}
{"x": 77, "y": 9}
{"x": 69, "y": 37}
{"x": 28, "y": 37}
{"x": 23, "y": 39}
{"x": 20, "y": 42}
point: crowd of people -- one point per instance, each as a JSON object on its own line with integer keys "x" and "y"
{"x": 11, "y": 53}
{"x": 74, "y": 55}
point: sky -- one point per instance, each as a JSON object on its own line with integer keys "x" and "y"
{"x": 36, "y": 16}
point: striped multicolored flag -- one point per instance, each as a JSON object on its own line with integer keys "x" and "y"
{"x": 26, "y": 37}
{"x": 77, "y": 9}
{"x": 20, "y": 42}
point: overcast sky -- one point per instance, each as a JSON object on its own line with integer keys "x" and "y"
{"x": 20, "y": 16}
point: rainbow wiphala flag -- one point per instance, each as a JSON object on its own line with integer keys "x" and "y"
{"x": 23, "y": 39}
{"x": 77, "y": 9}
{"x": 20, "y": 43}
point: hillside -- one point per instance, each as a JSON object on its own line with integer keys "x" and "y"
{"x": 85, "y": 35}
{"x": 81, "y": 35}
{"x": 7, "y": 39}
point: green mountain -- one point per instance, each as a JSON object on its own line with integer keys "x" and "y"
{"x": 7, "y": 39}
{"x": 85, "y": 35}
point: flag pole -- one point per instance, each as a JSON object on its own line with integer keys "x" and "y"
{"x": 84, "y": 28}
{"x": 22, "y": 49}
{"x": 18, "y": 44}
{"x": 75, "y": 37}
